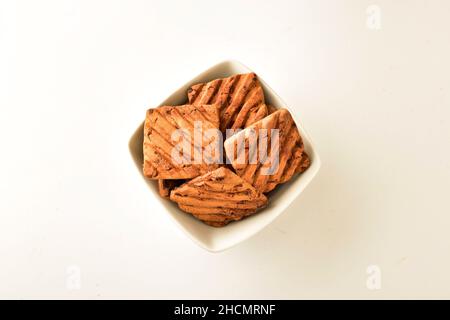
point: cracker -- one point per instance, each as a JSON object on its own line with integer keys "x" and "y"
{"x": 240, "y": 98}
{"x": 253, "y": 165}
{"x": 160, "y": 125}
{"x": 218, "y": 197}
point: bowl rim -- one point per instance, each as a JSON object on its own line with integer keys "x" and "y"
{"x": 282, "y": 207}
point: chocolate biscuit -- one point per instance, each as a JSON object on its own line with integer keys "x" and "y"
{"x": 159, "y": 145}
{"x": 218, "y": 197}
{"x": 258, "y": 164}
{"x": 240, "y": 97}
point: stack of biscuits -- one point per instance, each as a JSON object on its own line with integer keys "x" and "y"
{"x": 232, "y": 182}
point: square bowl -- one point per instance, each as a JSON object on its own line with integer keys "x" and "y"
{"x": 218, "y": 239}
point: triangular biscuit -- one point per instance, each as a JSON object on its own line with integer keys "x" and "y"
{"x": 240, "y": 97}
{"x": 218, "y": 197}
{"x": 252, "y": 162}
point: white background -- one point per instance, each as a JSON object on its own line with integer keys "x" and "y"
{"x": 77, "y": 76}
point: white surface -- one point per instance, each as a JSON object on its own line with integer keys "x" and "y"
{"x": 219, "y": 239}
{"x": 76, "y": 78}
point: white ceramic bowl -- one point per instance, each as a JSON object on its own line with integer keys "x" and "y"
{"x": 218, "y": 239}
